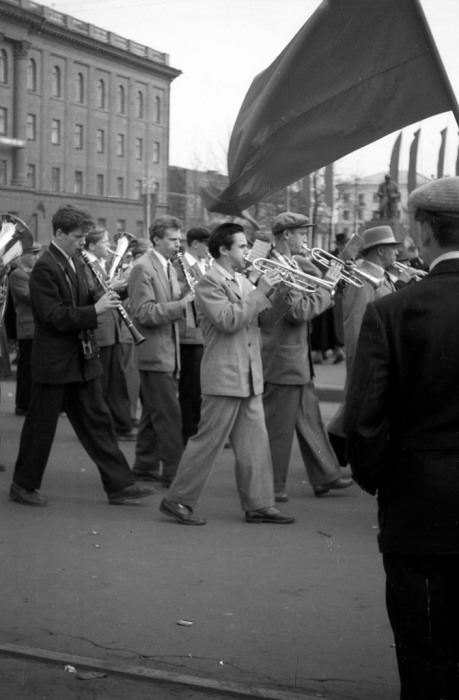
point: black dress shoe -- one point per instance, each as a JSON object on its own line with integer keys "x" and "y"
{"x": 341, "y": 483}
{"x": 182, "y": 514}
{"x": 130, "y": 436}
{"x": 130, "y": 493}
{"x": 268, "y": 515}
{"x": 150, "y": 475}
{"x": 26, "y": 497}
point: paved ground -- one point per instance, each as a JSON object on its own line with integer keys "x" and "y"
{"x": 288, "y": 608}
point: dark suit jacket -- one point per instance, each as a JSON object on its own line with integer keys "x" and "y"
{"x": 402, "y": 413}
{"x": 61, "y": 307}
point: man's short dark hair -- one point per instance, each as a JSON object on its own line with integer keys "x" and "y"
{"x": 94, "y": 236}
{"x": 159, "y": 226}
{"x": 198, "y": 233}
{"x": 68, "y": 218}
{"x": 223, "y": 235}
{"x": 445, "y": 228}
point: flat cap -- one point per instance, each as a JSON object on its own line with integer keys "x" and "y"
{"x": 378, "y": 235}
{"x": 288, "y": 220}
{"x": 440, "y": 196}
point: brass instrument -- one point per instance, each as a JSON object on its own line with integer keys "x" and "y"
{"x": 296, "y": 279}
{"x": 13, "y": 232}
{"x": 136, "y": 335}
{"x": 351, "y": 274}
{"x": 401, "y": 267}
{"x": 124, "y": 241}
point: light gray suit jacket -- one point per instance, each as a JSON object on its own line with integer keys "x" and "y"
{"x": 155, "y": 309}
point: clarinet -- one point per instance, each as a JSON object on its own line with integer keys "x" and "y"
{"x": 136, "y": 336}
{"x": 191, "y": 281}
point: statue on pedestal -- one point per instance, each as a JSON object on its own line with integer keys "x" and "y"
{"x": 389, "y": 197}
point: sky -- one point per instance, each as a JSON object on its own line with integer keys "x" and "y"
{"x": 221, "y": 45}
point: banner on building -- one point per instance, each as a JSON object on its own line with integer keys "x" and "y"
{"x": 395, "y": 158}
{"x": 441, "y": 154}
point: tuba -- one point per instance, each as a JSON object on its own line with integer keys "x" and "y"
{"x": 124, "y": 241}
{"x": 15, "y": 237}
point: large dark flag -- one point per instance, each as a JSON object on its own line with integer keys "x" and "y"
{"x": 356, "y": 71}
{"x": 395, "y": 158}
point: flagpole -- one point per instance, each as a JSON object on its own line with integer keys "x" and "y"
{"x": 431, "y": 42}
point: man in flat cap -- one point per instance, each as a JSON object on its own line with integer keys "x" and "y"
{"x": 290, "y": 398}
{"x": 402, "y": 422}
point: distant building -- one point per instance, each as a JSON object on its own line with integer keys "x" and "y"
{"x": 357, "y": 203}
{"x": 184, "y": 199}
{"x": 84, "y": 119}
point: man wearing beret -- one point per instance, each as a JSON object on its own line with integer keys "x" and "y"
{"x": 290, "y": 398}
{"x": 402, "y": 428}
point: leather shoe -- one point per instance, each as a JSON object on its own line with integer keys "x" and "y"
{"x": 280, "y": 497}
{"x": 181, "y": 513}
{"x": 130, "y": 493}
{"x": 268, "y": 515}
{"x": 26, "y": 497}
{"x": 341, "y": 483}
{"x": 130, "y": 436}
{"x": 149, "y": 475}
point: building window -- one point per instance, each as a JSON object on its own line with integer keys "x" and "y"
{"x": 100, "y": 141}
{"x": 78, "y": 184}
{"x": 31, "y": 173}
{"x": 138, "y": 189}
{"x": 56, "y": 82}
{"x": 56, "y": 179}
{"x": 120, "y": 187}
{"x": 3, "y": 66}
{"x": 139, "y": 229}
{"x": 100, "y": 185}
{"x": 139, "y": 105}
{"x": 79, "y": 88}
{"x": 158, "y": 110}
{"x": 3, "y": 121}
{"x": 79, "y": 136}
{"x": 361, "y": 200}
{"x": 156, "y": 152}
{"x": 101, "y": 223}
{"x": 56, "y": 132}
{"x": 121, "y": 225}
{"x": 32, "y": 75}
{"x": 121, "y": 100}
{"x": 346, "y": 215}
{"x": 139, "y": 149}
{"x": 100, "y": 94}
{"x": 3, "y": 172}
{"x": 120, "y": 145}
{"x": 31, "y": 127}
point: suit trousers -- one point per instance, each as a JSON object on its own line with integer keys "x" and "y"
{"x": 114, "y": 386}
{"x": 190, "y": 388}
{"x": 423, "y": 607}
{"x": 90, "y": 418}
{"x": 24, "y": 374}
{"x": 242, "y": 421}
{"x": 159, "y": 437}
{"x": 290, "y": 409}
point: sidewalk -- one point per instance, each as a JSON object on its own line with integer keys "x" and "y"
{"x": 293, "y": 609}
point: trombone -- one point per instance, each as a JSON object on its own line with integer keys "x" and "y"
{"x": 351, "y": 274}
{"x": 296, "y": 279}
{"x": 404, "y": 268}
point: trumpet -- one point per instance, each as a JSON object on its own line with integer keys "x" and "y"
{"x": 403, "y": 268}
{"x": 351, "y": 274}
{"x": 123, "y": 242}
{"x": 296, "y": 279}
{"x": 136, "y": 335}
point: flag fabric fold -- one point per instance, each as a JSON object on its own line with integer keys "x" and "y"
{"x": 355, "y": 72}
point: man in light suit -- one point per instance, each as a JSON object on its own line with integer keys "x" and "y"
{"x": 156, "y": 306}
{"x": 229, "y": 310}
{"x": 290, "y": 399}
{"x": 402, "y": 425}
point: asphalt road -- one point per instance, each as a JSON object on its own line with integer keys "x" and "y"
{"x": 296, "y": 608}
